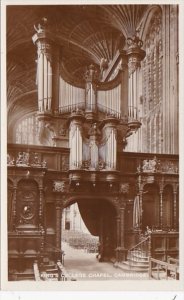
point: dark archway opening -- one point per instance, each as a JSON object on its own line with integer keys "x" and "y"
{"x": 99, "y": 217}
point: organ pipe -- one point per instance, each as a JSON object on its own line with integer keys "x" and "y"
{"x": 110, "y": 101}
{"x": 75, "y": 144}
{"x": 70, "y": 97}
{"x": 44, "y": 67}
{"x": 111, "y": 145}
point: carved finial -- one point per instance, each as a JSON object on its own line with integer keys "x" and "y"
{"x": 91, "y": 73}
{"x": 134, "y": 42}
{"x": 134, "y": 52}
{"x": 42, "y": 25}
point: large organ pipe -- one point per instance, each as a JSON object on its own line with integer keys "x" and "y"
{"x": 77, "y": 146}
{"x": 115, "y": 150}
{"x": 40, "y": 81}
{"x": 80, "y": 149}
{"x": 110, "y": 131}
{"x": 75, "y": 143}
{"x": 45, "y": 83}
{"x": 111, "y": 150}
{"x": 49, "y": 84}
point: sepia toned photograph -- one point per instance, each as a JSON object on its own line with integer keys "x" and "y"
{"x": 92, "y": 143}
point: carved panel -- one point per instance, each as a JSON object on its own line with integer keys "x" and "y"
{"x": 27, "y": 203}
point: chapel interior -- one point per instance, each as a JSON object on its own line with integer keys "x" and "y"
{"x": 92, "y": 109}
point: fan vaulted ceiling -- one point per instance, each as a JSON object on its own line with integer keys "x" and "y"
{"x": 85, "y": 33}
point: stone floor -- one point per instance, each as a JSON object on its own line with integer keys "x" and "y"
{"x": 84, "y": 266}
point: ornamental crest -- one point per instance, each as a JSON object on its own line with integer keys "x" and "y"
{"x": 124, "y": 188}
{"x": 59, "y": 186}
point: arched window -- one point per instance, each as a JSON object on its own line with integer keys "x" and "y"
{"x": 152, "y": 81}
{"x": 27, "y": 131}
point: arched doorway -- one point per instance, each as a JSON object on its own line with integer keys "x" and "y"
{"x": 150, "y": 206}
{"x": 99, "y": 217}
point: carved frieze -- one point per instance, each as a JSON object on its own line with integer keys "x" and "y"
{"x": 158, "y": 166}
{"x": 26, "y": 159}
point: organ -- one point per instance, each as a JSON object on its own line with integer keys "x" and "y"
{"x": 91, "y": 106}
{"x": 93, "y": 92}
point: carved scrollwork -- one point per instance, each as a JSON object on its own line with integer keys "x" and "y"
{"x": 25, "y": 159}
{"x": 155, "y": 165}
{"x": 149, "y": 165}
{"x": 10, "y": 161}
{"x": 22, "y": 159}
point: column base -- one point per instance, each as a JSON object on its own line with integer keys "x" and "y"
{"x": 121, "y": 254}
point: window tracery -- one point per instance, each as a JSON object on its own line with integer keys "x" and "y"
{"x": 152, "y": 69}
{"x": 27, "y": 131}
